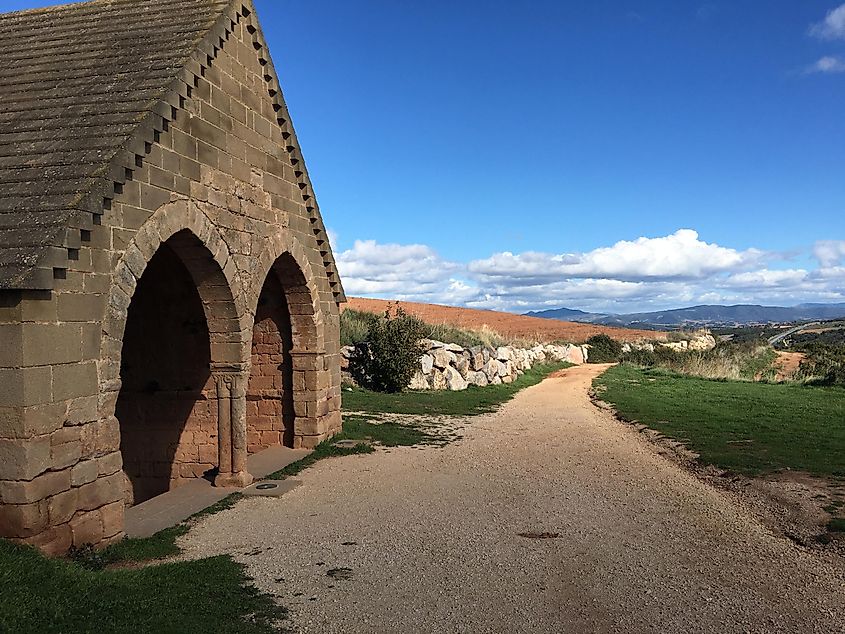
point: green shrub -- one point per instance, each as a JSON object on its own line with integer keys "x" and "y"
{"x": 603, "y": 349}
{"x": 390, "y": 356}
{"x": 353, "y": 326}
{"x": 824, "y": 365}
{"x": 642, "y": 358}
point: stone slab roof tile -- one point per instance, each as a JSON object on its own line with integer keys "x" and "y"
{"x": 83, "y": 88}
{"x": 76, "y": 82}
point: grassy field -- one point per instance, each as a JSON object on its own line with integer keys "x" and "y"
{"x": 469, "y": 402}
{"x": 210, "y": 595}
{"x": 750, "y": 428}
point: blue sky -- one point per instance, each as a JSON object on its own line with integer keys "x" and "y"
{"x": 494, "y": 153}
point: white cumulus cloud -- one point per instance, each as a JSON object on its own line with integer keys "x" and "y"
{"x": 398, "y": 271}
{"x": 827, "y": 64}
{"x": 833, "y": 25}
{"x": 682, "y": 255}
{"x": 829, "y": 253}
{"x": 629, "y": 276}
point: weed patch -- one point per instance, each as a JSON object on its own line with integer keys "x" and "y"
{"x": 836, "y": 525}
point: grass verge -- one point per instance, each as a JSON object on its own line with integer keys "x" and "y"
{"x": 469, "y": 402}
{"x": 326, "y": 449}
{"x": 750, "y": 428}
{"x": 52, "y": 595}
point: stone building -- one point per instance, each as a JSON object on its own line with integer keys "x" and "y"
{"x": 168, "y": 295}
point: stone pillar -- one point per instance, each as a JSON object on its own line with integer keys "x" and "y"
{"x": 231, "y": 426}
{"x": 315, "y": 420}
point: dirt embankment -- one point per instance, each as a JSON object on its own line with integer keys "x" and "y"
{"x": 506, "y": 324}
{"x": 787, "y": 365}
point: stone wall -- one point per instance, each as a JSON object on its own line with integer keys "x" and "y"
{"x": 447, "y": 366}
{"x": 697, "y": 342}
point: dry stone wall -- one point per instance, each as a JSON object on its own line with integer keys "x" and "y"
{"x": 448, "y": 366}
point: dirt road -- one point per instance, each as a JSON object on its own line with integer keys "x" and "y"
{"x": 430, "y": 539}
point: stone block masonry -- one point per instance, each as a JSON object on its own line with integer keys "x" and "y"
{"x": 183, "y": 310}
{"x": 447, "y": 366}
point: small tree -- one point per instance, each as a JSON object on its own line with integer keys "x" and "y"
{"x": 391, "y": 354}
{"x": 603, "y": 349}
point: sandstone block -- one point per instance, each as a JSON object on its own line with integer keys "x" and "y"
{"x": 28, "y": 491}
{"x": 24, "y": 459}
{"x": 100, "y": 492}
{"x": 20, "y": 387}
{"x": 23, "y": 520}
{"x": 62, "y": 507}
{"x": 65, "y": 455}
{"x": 109, "y": 464}
{"x": 74, "y": 379}
{"x": 35, "y": 420}
{"x": 426, "y": 364}
{"x": 54, "y": 542}
{"x": 84, "y": 472}
{"x": 112, "y": 517}
{"x": 87, "y": 528}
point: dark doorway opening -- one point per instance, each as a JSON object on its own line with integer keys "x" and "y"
{"x": 166, "y": 406}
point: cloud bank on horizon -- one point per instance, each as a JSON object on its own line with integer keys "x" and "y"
{"x": 631, "y": 275}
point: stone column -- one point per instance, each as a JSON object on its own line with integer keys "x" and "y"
{"x": 231, "y": 427}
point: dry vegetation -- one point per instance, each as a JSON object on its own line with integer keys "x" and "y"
{"x": 511, "y": 328}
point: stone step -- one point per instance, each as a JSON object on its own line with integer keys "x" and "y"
{"x": 173, "y": 507}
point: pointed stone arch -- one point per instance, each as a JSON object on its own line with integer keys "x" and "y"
{"x": 284, "y": 264}
{"x": 178, "y": 232}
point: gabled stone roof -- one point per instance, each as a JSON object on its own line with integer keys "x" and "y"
{"x": 84, "y": 89}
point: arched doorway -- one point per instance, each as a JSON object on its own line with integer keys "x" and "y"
{"x": 284, "y": 328}
{"x": 167, "y": 405}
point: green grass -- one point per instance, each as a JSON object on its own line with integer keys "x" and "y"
{"x": 367, "y": 432}
{"x": 52, "y": 595}
{"x": 325, "y": 449}
{"x": 750, "y": 428}
{"x": 836, "y": 525}
{"x": 389, "y": 433}
{"x": 158, "y": 546}
{"x": 469, "y": 402}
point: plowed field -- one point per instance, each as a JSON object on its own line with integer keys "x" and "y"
{"x": 506, "y": 324}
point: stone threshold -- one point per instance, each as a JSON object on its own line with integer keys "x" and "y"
{"x": 173, "y": 507}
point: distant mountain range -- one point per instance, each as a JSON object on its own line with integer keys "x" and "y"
{"x": 712, "y": 315}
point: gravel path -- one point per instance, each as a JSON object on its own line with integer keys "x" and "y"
{"x": 431, "y": 537}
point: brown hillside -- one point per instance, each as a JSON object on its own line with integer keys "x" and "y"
{"x": 506, "y": 324}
